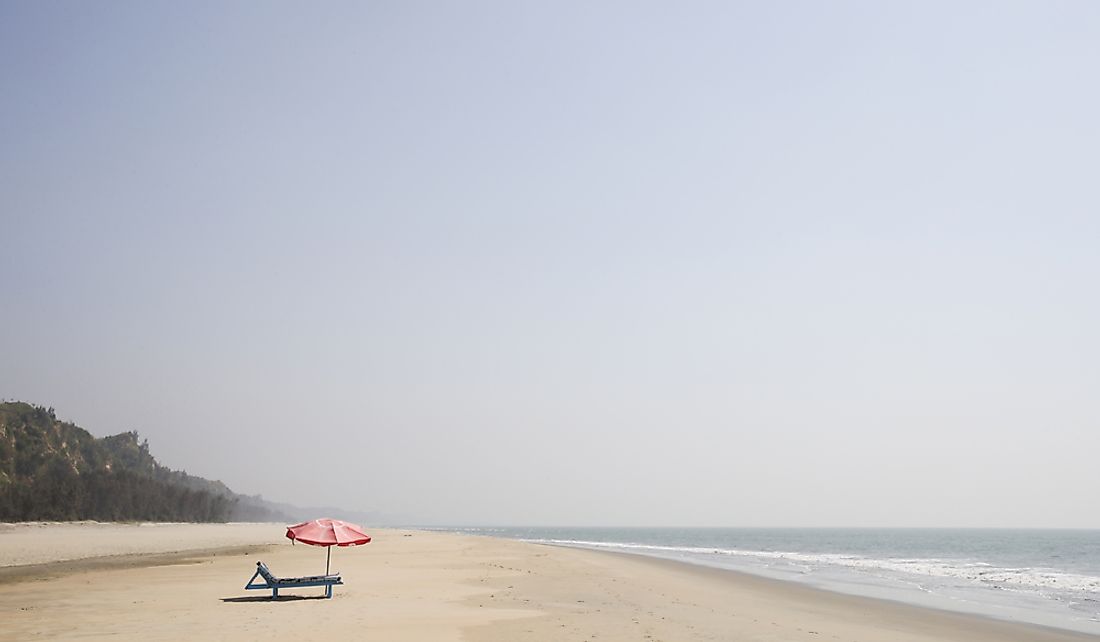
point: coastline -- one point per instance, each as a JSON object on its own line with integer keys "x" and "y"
{"x": 1041, "y": 577}
{"x": 932, "y": 617}
{"x": 419, "y": 585}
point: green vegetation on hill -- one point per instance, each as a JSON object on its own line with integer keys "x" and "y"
{"x": 55, "y": 470}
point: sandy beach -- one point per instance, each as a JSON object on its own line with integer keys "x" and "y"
{"x": 185, "y": 581}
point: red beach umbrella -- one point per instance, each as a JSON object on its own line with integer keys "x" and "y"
{"x": 328, "y": 533}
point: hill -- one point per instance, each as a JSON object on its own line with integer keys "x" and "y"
{"x": 56, "y": 470}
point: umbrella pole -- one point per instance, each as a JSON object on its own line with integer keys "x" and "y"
{"x": 328, "y": 558}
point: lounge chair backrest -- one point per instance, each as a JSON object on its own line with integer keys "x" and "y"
{"x": 266, "y": 573}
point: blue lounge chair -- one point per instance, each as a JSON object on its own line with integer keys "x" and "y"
{"x": 276, "y": 583}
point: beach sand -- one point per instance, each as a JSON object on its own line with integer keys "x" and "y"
{"x": 184, "y": 582}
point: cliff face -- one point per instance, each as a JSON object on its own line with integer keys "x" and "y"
{"x": 31, "y": 436}
{"x": 55, "y": 470}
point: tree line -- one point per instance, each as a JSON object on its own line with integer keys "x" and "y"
{"x": 57, "y": 493}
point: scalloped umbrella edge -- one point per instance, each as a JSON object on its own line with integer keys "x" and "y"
{"x": 328, "y": 533}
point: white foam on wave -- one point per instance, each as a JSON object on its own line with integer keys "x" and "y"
{"x": 979, "y": 573}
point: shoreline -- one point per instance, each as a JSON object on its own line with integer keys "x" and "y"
{"x": 429, "y": 585}
{"x": 795, "y": 610}
{"x": 825, "y": 594}
{"x": 1011, "y": 576}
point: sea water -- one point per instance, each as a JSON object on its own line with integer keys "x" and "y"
{"x": 1045, "y": 577}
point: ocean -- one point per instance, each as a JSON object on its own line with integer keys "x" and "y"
{"x": 1045, "y": 577}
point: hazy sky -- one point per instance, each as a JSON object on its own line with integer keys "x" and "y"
{"x": 771, "y": 263}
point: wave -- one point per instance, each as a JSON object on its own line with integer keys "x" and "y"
{"x": 976, "y": 572}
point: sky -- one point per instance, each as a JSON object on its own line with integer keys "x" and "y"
{"x": 568, "y": 263}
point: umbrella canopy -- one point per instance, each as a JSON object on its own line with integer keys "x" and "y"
{"x": 328, "y": 533}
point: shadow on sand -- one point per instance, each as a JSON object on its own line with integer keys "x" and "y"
{"x": 268, "y": 598}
